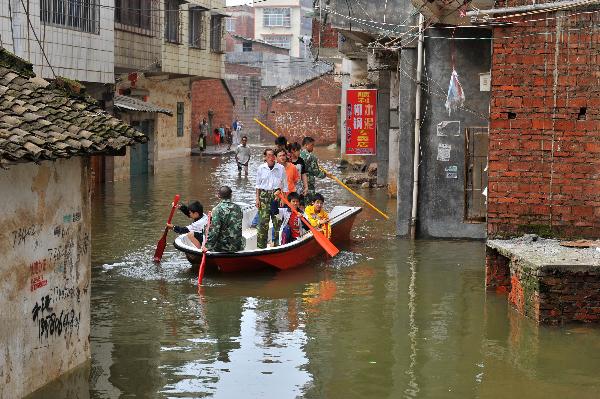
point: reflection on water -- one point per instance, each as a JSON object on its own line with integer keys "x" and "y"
{"x": 386, "y": 318}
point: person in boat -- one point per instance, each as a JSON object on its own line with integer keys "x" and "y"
{"x": 312, "y": 167}
{"x": 270, "y": 181}
{"x": 195, "y": 231}
{"x": 225, "y": 231}
{"x": 302, "y": 185}
{"x": 291, "y": 172}
{"x": 317, "y": 216}
{"x": 291, "y": 225}
{"x": 242, "y": 156}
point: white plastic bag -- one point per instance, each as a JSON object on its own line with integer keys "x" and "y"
{"x": 456, "y": 95}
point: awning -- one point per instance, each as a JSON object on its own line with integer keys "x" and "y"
{"x": 133, "y": 104}
{"x": 220, "y": 13}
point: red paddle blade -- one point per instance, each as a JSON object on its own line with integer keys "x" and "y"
{"x": 201, "y": 269}
{"x": 160, "y": 248}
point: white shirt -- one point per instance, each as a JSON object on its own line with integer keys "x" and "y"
{"x": 198, "y": 225}
{"x": 243, "y": 154}
{"x": 271, "y": 179}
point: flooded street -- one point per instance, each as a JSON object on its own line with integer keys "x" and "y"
{"x": 386, "y": 318}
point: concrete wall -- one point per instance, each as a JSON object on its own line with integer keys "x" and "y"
{"x": 545, "y": 129}
{"x": 87, "y": 57}
{"x": 45, "y": 273}
{"x": 210, "y": 96}
{"x": 245, "y": 85}
{"x": 441, "y": 209}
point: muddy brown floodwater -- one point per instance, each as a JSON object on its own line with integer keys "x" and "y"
{"x": 387, "y": 318}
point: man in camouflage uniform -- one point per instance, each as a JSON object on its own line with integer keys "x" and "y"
{"x": 225, "y": 233}
{"x": 312, "y": 167}
{"x": 271, "y": 180}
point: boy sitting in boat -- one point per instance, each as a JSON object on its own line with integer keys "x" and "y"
{"x": 195, "y": 231}
{"x": 291, "y": 226}
{"x": 317, "y": 216}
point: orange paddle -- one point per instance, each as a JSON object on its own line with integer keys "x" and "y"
{"x": 162, "y": 243}
{"x": 320, "y": 237}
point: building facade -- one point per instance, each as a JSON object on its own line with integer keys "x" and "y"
{"x": 284, "y": 23}
{"x": 211, "y": 100}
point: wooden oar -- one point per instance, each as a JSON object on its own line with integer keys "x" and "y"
{"x": 268, "y": 129}
{"x": 162, "y": 243}
{"x": 320, "y": 237}
{"x": 203, "y": 262}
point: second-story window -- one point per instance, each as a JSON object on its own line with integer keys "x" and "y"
{"x": 276, "y": 17}
{"x": 216, "y": 33}
{"x": 230, "y": 24}
{"x": 196, "y": 27}
{"x": 278, "y": 40}
{"x": 81, "y": 15}
{"x": 133, "y": 13}
{"x": 172, "y": 21}
{"x": 180, "y": 108}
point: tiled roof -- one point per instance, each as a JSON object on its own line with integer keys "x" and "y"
{"x": 42, "y": 121}
{"x": 133, "y": 104}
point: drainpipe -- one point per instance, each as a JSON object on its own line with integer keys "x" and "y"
{"x": 417, "y": 139}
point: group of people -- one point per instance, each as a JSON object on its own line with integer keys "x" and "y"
{"x": 285, "y": 189}
{"x": 224, "y": 134}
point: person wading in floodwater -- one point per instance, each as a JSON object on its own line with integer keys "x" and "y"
{"x": 312, "y": 167}
{"x": 242, "y": 156}
{"x": 271, "y": 179}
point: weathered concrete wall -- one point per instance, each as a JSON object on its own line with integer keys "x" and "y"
{"x": 45, "y": 273}
{"x": 544, "y": 155}
{"x": 442, "y": 178}
{"x": 245, "y": 85}
{"x": 310, "y": 109}
{"x": 210, "y": 96}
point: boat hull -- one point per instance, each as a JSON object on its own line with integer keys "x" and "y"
{"x": 280, "y": 258}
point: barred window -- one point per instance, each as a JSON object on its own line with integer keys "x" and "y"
{"x": 216, "y": 33}
{"x": 196, "y": 27}
{"x": 180, "y": 119}
{"x": 230, "y": 24}
{"x": 133, "y": 13}
{"x": 81, "y": 15}
{"x": 276, "y": 17}
{"x": 172, "y": 21}
{"x": 278, "y": 40}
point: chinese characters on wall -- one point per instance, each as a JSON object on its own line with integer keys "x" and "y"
{"x": 361, "y": 122}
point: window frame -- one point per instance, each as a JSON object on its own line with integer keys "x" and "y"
{"x": 180, "y": 119}
{"x": 269, "y": 39}
{"x": 196, "y": 15}
{"x": 87, "y": 18}
{"x": 217, "y": 33}
{"x": 132, "y": 15}
{"x": 271, "y": 17}
{"x": 172, "y": 34}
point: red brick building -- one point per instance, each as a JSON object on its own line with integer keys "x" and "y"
{"x": 245, "y": 85}
{"x": 211, "y": 99}
{"x": 309, "y": 108}
{"x": 544, "y": 147}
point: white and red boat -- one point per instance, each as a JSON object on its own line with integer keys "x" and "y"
{"x": 282, "y": 257}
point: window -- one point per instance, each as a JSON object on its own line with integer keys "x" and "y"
{"x": 246, "y": 46}
{"x": 216, "y": 33}
{"x": 196, "y": 27}
{"x": 179, "y": 119}
{"x": 230, "y": 24}
{"x": 133, "y": 13}
{"x": 476, "y": 180}
{"x": 278, "y": 40}
{"x": 81, "y": 15}
{"x": 276, "y": 17}
{"x": 172, "y": 23}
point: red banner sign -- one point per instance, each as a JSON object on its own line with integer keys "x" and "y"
{"x": 361, "y": 121}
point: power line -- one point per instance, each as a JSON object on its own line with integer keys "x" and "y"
{"x": 36, "y": 38}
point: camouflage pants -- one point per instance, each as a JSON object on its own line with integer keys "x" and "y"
{"x": 264, "y": 215}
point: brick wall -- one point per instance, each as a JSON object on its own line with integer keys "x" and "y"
{"x": 210, "y": 96}
{"x": 310, "y": 109}
{"x": 326, "y": 36}
{"x": 544, "y": 151}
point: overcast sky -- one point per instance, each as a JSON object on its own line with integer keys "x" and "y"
{"x": 237, "y": 2}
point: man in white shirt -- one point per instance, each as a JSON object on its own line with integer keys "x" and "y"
{"x": 270, "y": 181}
{"x": 242, "y": 156}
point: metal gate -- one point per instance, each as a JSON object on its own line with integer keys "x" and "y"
{"x": 476, "y": 177}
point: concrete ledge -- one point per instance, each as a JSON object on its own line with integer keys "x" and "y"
{"x": 545, "y": 281}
